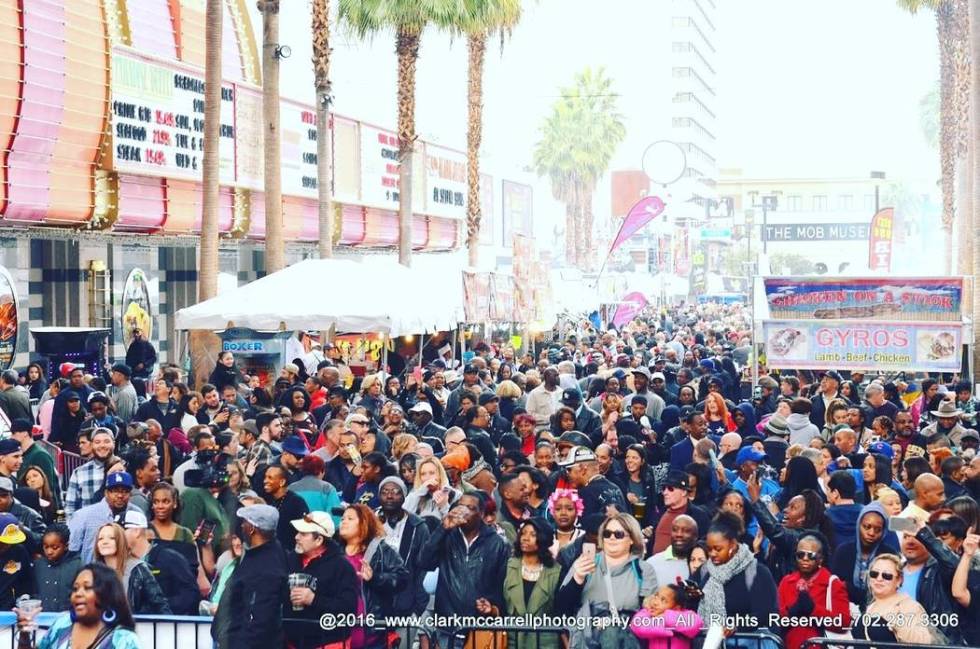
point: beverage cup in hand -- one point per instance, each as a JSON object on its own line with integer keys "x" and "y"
{"x": 28, "y": 609}
{"x": 298, "y": 580}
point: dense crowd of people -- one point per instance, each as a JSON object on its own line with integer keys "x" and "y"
{"x": 631, "y": 474}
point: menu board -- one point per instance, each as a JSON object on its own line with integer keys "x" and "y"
{"x": 379, "y": 167}
{"x": 157, "y": 120}
{"x": 445, "y": 171}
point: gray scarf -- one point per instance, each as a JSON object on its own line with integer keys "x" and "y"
{"x": 713, "y": 602}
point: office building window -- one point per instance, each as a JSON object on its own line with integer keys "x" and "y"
{"x": 845, "y": 202}
{"x": 794, "y": 203}
{"x": 819, "y": 203}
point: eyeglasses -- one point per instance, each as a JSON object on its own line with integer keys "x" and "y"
{"x": 617, "y": 534}
{"x": 359, "y": 421}
{"x": 806, "y": 554}
{"x": 887, "y": 576}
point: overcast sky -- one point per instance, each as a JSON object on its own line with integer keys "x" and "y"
{"x": 805, "y": 87}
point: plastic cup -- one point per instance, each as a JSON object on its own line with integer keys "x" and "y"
{"x": 298, "y": 580}
{"x": 29, "y": 608}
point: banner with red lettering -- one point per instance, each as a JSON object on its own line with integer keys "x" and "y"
{"x": 880, "y": 240}
{"x": 914, "y": 299}
{"x": 877, "y": 346}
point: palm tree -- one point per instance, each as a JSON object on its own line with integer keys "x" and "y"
{"x": 480, "y": 19}
{"x": 204, "y": 345}
{"x": 275, "y": 242}
{"x": 578, "y": 141}
{"x": 321, "y": 73}
{"x": 952, "y": 27}
{"x": 408, "y": 19}
{"x": 207, "y": 281}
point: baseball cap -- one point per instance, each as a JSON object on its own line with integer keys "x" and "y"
{"x": 264, "y": 517}
{"x": 119, "y": 479}
{"x": 574, "y": 438}
{"x": 487, "y": 397}
{"x": 470, "y": 368}
{"x": 10, "y": 532}
{"x": 578, "y": 455}
{"x": 6, "y": 484}
{"x": 8, "y": 446}
{"x": 642, "y": 370}
{"x": 133, "y": 519}
{"x": 676, "y": 478}
{"x": 21, "y": 425}
{"x": 421, "y": 406}
{"x": 571, "y": 394}
{"x": 834, "y": 375}
{"x": 249, "y": 425}
{"x": 749, "y": 454}
{"x": 71, "y": 395}
{"x": 882, "y": 448}
{"x": 315, "y": 523}
{"x": 658, "y": 375}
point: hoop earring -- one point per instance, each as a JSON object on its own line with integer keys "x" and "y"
{"x": 109, "y": 616}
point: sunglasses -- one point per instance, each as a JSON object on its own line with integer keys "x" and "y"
{"x": 309, "y": 519}
{"x": 358, "y": 421}
{"x": 806, "y": 554}
{"x": 617, "y": 534}
{"x": 887, "y": 576}
{"x": 673, "y": 488}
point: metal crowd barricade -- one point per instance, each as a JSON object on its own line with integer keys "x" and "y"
{"x": 69, "y": 462}
{"x": 822, "y": 643}
{"x": 153, "y": 631}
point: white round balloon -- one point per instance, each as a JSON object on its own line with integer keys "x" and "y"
{"x": 664, "y": 162}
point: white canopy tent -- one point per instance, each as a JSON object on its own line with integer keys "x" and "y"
{"x": 365, "y": 295}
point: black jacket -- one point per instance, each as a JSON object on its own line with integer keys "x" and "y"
{"x": 222, "y": 376}
{"x": 842, "y": 565}
{"x": 758, "y": 600}
{"x": 291, "y": 507}
{"x": 144, "y": 593}
{"x": 389, "y": 577}
{"x": 782, "y": 554}
{"x": 167, "y": 415}
{"x": 141, "y": 352}
{"x": 599, "y": 494}
{"x": 588, "y": 422}
{"x": 258, "y": 593}
{"x": 935, "y": 585}
{"x": 648, "y": 481}
{"x": 412, "y": 598}
{"x": 336, "y": 592}
{"x": 466, "y": 575}
{"x": 481, "y": 440}
{"x": 16, "y": 575}
{"x": 178, "y": 583}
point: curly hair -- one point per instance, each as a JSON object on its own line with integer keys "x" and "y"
{"x": 572, "y": 495}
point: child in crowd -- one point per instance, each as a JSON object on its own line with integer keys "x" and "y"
{"x": 55, "y": 573}
{"x": 668, "y": 619}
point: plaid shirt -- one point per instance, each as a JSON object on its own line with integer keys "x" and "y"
{"x": 84, "y": 484}
{"x": 261, "y": 450}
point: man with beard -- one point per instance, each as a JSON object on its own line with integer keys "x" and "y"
{"x": 84, "y": 525}
{"x": 333, "y": 589}
{"x": 513, "y": 504}
{"x": 905, "y": 433}
{"x": 86, "y": 480}
{"x": 672, "y": 562}
{"x": 972, "y": 483}
{"x": 641, "y": 381}
{"x": 947, "y": 424}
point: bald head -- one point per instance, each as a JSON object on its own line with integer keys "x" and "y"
{"x": 930, "y": 492}
{"x": 730, "y": 442}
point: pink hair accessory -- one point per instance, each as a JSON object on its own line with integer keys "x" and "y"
{"x": 571, "y": 494}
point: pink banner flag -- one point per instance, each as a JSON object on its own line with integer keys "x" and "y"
{"x": 645, "y": 210}
{"x": 626, "y": 312}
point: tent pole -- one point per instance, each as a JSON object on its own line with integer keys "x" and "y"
{"x": 421, "y": 347}
{"x": 384, "y": 353}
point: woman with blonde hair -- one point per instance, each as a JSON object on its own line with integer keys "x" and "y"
{"x": 509, "y": 394}
{"x": 614, "y": 580}
{"x": 142, "y": 590}
{"x": 888, "y": 604}
{"x": 402, "y": 444}
{"x": 371, "y": 395}
{"x": 432, "y": 495}
{"x": 890, "y": 500}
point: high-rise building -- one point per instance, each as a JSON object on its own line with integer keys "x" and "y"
{"x": 694, "y": 101}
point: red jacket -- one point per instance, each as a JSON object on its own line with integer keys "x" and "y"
{"x": 796, "y": 636}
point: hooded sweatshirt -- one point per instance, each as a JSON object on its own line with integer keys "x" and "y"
{"x": 748, "y": 428}
{"x": 850, "y": 566}
{"x": 801, "y": 431}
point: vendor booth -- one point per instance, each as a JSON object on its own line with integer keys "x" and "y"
{"x": 80, "y": 346}
{"x": 881, "y": 325}
{"x": 377, "y": 297}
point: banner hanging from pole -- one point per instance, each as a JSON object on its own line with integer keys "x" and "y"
{"x": 645, "y": 210}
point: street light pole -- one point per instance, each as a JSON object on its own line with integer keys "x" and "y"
{"x": 877, "y": 175}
